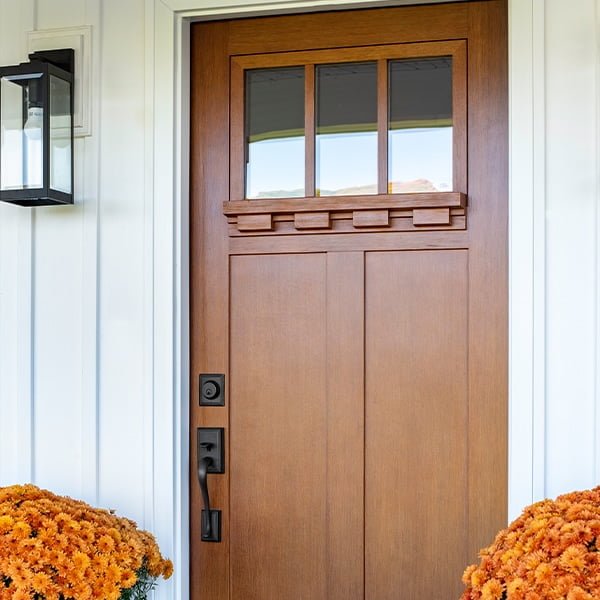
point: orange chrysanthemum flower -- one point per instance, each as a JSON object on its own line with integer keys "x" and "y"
{"x": 551, "y": 552}
{"x": 53, "y": 547}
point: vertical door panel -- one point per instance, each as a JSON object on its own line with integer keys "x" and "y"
{"x": 296, "y": 426}
{"x": 278, "y": 426}
{"x": 416, "y": 417}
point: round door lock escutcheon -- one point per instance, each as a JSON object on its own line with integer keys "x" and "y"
{"x": 210, "y": 390}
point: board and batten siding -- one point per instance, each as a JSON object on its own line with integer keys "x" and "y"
{"x": 92, "y": 297}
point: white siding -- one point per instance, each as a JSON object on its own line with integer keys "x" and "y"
{"x": 554, "y": 233}
{"x": 83, "y": 299}
{"x": 75, "y": 295}
{"x": 572, "y": 229}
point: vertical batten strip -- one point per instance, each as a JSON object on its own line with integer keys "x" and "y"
{"x": 539, "y": 266}
{"x": 521, "y": 300}
{"x": 160, "y": 301}
{"x": 309, "y": 130}
{"x": 90, "y": 334}
{"x": 382, "y": 126}
{"x": 597, "y": 258}
{"x": 149, "y": 418}
{"x": 26, "y": 346}
{"x": 26, "y": 316}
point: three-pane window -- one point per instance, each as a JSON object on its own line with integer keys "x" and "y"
{"x": 393, "y": 124}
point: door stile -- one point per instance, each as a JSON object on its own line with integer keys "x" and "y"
{"x": 238, "y": 147}
{"x": 459, "y": 118}
{"x": 209, "y": 320}
{"x": 345, "y": 425}
{"x": 488, "y": 292}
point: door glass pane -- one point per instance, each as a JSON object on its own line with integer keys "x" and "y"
{"x": 420, "y": 125}
{"x": 275, "y": 132}
{"x": 60, "y": 135}
{"x": 346, "y": 144}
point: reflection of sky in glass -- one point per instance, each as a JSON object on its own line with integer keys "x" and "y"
{"x": 346, "y": 127}
{"x": 420, "y": 159}
{"x": 347, "y": 163}
{"x": 420, "y": 145}
{"x": 276, "y": 168}
{"x": 274, "y": 131}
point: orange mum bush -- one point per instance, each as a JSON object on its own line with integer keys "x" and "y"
{"x": 550, "y": 552}
{"x": 56, "y": 548}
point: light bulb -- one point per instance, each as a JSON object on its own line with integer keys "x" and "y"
{"x": 33, "y": 125}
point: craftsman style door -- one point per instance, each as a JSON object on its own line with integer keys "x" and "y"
{"x": 348, "y": 302}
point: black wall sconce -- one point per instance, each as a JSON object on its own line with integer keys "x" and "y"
{"x": 36, "y": 130}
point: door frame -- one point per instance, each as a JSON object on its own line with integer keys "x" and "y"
{"x": 167, "y": 225}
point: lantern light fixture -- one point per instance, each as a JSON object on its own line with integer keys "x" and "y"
{"x": 36, "y": 130}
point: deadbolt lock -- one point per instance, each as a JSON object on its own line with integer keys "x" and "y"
{"x": 212, "y": 389}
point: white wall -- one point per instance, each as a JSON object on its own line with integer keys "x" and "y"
{"x": 555, "y": 247}
{"x": 76, "y": 401}
{"x": 572, "y": 195}
{"x": 80, "y": 410}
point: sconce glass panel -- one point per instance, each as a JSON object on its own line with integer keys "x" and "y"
{"x": 60, "y": 135}
{"x": 21, "y": 125}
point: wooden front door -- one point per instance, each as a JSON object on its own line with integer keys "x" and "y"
{"x": 348, "y": 279}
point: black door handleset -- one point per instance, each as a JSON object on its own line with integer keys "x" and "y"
{"x": 211, "y": 459}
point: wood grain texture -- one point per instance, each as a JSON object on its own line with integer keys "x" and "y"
{"x": 388, "y": 201}
{"x": 209, "y": 279}
{"x": 459, "y": 118}
{"x": 278, "y": 426}
{"x": 254, "y": 222}
{"x": 309, "y": 130}
{"x": 488, "y": 226}
{"x": 342, "y": 224}
{"x": 370, "y": 218}
{"x": 435, "y": 456}
{"x": 416, "y": 414}
{"x": 431, "y": 216}
{"x": 382, "y": 126}
{"x": 349, "y": 242}
{"x": 237, "y": 178}
{"x": 312, "y": 220}
{"x": 380, "y": 52}
{"x": 359, "y": 28}
{"x": 345, "y": 425}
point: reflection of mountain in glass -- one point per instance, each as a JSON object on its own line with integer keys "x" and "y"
{"x": 346, "y": 128}
{"x": 415, "y": 186}
{"x": 420, "y": 125}
{"x": 396, "y": 187}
